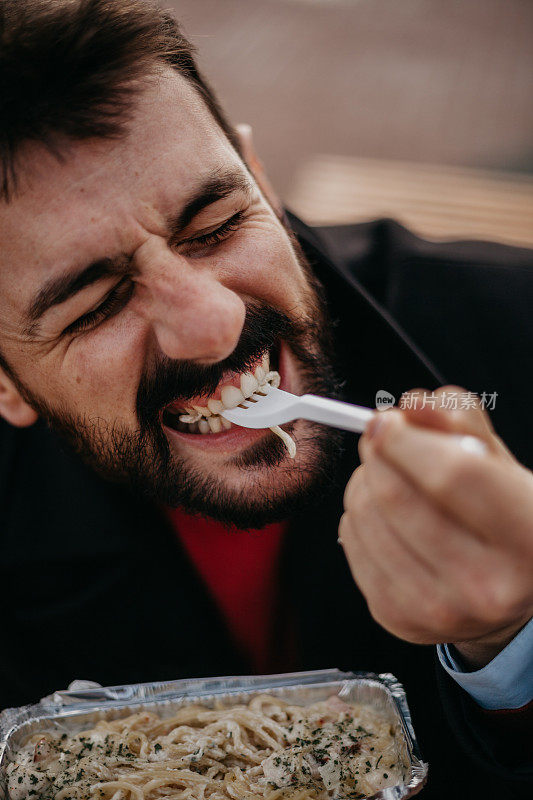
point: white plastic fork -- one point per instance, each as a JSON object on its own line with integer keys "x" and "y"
{"x": 273, "y": 407}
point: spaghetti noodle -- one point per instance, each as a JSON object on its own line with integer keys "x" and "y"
{"x": 266, "y": 749}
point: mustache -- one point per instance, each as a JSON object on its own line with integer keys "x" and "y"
{"x": 170, "y": 379}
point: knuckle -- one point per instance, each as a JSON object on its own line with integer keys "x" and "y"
{"x": 507, "y": 601}
{"x": 353, "y": 488}
{"x": 385, "y": 612}
{"x": 344, "y": 525}
{"x": 400, "y": 624}
{"x": 360, "y": 516}
{"x": 455, "y": 474}
{"x": 419, "y": 635}
{"x": 350, "y": 527}
{"x": 472, "y": 592}
{"x": 439, "y": 615}
{"x": 392, "y": 493}
{"x": 494, "y": 600}
{"x": 410, "y": 623}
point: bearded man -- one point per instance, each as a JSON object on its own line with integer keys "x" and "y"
{"x": 147, "y": 265}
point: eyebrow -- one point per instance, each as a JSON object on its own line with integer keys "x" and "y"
{"x": 216, "y": 187}
{"x": 61, "y": 288}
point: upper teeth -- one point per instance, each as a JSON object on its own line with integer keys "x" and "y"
{"x": 215, "y": 406}
{"x": 231, "y": 396}
{"x": 204, "y": 412}
{"x": 190, "y": 418}
{"x": 249, "y": 384}
{"x": 274, "y": 378}
{"x": 208, "y": 417}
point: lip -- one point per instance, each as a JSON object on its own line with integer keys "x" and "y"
{"x": 236, "y": 437}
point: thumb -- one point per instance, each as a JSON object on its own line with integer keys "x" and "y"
{"x": 465, "y": 415}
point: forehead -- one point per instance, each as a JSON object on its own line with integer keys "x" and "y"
{"x": 105, "y": 192}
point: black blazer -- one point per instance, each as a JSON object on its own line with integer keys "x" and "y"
{"x": 91, "y": 574}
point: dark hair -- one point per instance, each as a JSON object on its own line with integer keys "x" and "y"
{"x": 69, "y": 68}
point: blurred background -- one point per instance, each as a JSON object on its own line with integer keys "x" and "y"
{"x": 417, "y": 109}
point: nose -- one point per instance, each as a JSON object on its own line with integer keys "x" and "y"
{"x": 192, "y": 314}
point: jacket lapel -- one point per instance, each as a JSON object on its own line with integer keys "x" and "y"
{"x": 373, "y": 353}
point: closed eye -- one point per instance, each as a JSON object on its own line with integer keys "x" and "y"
{"x": 113, "y": 302}
{"x": 219, "y": 234}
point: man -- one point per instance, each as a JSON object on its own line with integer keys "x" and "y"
{"x": 146, "y": 265}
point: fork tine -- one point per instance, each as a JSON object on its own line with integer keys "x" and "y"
{"x": 263, "y": 409}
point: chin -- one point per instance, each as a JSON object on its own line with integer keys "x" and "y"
{"x": 261, "y": 484}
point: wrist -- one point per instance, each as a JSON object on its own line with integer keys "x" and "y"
{"x": 477, "y": 653}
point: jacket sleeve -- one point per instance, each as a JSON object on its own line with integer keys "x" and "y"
{"x": 501, "y": 742}
{"x": 506, "y": 682}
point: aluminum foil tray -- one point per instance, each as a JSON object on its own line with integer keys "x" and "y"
{"x": 77, "y": 709}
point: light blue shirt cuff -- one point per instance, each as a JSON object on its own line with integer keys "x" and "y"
{"x": 506, "y": 681}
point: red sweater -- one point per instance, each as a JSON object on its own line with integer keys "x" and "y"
{"x": 240, "y": 569}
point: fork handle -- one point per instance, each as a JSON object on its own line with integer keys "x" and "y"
{"x": 334, "y": 413}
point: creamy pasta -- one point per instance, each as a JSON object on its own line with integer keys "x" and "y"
{"x": 266, "y": 749}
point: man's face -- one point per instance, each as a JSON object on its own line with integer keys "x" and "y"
{"x": 143, "y": 274}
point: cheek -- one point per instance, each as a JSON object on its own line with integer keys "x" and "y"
{"x": 263, "y": 264}
{"x": 103, "y": 370}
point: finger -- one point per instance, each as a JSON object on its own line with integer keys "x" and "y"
{"x": 484, "y": 582}
{"x": 362, "y": 526}
{"x": 445, "y": 546}
{"x": 455, "y": 605}
{"x": 369, "y": 575}
{"x": 442, "y": 410}
{"x": 484, "y": 493}
{"x": 403, "y": 596}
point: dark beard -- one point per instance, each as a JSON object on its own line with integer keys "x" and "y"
{"x": 144, "y": 460}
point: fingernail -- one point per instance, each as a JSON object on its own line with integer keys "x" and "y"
{"x": 471, "y": 444}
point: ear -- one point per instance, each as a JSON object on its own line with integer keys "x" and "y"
{"x": 13, "y": 407}
{"x": 255, "y": 165}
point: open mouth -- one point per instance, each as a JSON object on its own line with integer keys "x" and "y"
{"x": 202, "y": 416}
